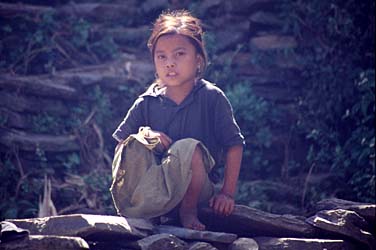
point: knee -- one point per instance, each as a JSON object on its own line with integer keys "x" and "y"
{"x": 197, "y": 156}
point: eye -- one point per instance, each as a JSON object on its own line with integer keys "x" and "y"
{"x": 180, "y": 53}
{"x": 161, "y": 57}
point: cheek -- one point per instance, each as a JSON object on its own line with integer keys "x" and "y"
{"x": 158, "y": 66}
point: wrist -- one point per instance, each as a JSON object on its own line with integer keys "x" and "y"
{"x": 227, "y": 194}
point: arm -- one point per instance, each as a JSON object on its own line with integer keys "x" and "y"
{"x": 229, "y": 136}
{"x": 223, "y": 203}
{"x": 132, "y": 121}
{"x": 233, "y": 163}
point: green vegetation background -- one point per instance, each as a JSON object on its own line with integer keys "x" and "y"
{"x": 335, "y": 108}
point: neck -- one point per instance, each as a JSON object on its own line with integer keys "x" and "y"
{"x": 179, "y": 93}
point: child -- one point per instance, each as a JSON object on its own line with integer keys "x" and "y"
{"x": 170, "y": 135}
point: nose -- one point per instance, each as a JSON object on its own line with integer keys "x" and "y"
{"x": 170, "y": 64}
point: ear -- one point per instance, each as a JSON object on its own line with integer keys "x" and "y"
{"x": 200, "y": 60}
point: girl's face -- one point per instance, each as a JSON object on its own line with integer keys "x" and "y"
{"x": 176, "y": 60}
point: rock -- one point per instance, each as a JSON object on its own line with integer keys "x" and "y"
{"x": 249, "y": 222}
{"x": 269, "y": 42}
{"x": 343, "y": 222}
{"x": 244, "y": 244}
{"x": 367, "y": 211}
{"x": 201, "y": 246}
{"x": 42, "y": 242}
{"x": 89, "y": 227}
{"x": 268, "y": 243}
{"x": 190, "y": 234}
{"x": 161, "y": 241}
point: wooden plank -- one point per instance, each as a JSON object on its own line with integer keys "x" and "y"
{"x": 30, "y": 142}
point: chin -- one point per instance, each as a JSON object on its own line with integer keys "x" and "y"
{"x": 170, "y": 82}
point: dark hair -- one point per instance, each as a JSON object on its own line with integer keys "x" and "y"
{"x": 183, "y": 23}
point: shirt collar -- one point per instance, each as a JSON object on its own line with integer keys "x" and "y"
{"x": 155, "y": 91}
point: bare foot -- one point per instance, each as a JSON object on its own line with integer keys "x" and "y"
{"x": 188, "y": 219}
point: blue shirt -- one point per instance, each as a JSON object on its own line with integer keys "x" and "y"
{"x": 205, "y": 114}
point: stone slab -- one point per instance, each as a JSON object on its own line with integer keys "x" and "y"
{"x": 46, "y": 242}
{"x": 97, "y": 227}
{"x": 190, "y": 234}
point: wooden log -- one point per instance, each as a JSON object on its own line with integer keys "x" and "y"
{"x": 21, "y": 103}
{"x": 98, "y": 12}
{"x": 272, "y": 42}
{"x": 111, "y": 75}
{"x": 68, "y": 84}
{"x": 31, "y": 142}
{"x": 249, "y": 222}
{"x": 12, "y": 119}
{"x": 43, "y": 85}
{"x": 124, "y": 36}
{"x": 9, "y": 10}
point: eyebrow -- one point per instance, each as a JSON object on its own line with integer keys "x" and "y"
{"x": 178, "y": 48}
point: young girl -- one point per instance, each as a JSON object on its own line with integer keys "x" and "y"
{"x": 176, "y": 132}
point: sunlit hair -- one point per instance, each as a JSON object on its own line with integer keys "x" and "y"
{"x": 183, "y": 23}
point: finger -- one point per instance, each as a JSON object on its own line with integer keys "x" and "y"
{"x": 211, "y": 202}
{"x": 166, "y": 141}
{"x": 224, "y": 208}
{"x": 219, "y": 206}
{"x": 215, "y": 205}
{"x": 169, "y": 140}
{"x": 166, "y": 137}
{"x": 232, "y": 207}
{"x": 152, "y": 133}
{"x": 228, "y": 208}
{"x": 163, "y": 142}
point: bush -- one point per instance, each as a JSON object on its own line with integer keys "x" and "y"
{"x": 337, "y": 103}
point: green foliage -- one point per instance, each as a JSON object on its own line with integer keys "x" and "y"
{"x": 18, "y": 194}
{"x": 335, "y": 115}
{"x": 356, "y": 155}
{"x": 256, "y": 116}
{"x": 71, "y": 162}
{"x": 102, "y": 104}
{"x": 51, "y": 43}
{"x": 81, "y": 31}
{"x": 43, "y": 123}
{"x": 98, "y": 182}
{"x": 3, "y": 119}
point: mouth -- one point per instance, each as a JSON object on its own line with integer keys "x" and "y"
{"x": 171, "y": 74}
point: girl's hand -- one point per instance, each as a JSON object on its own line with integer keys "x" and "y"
{"x": 165, "y": 140}
{"x": 222, "y": 204}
